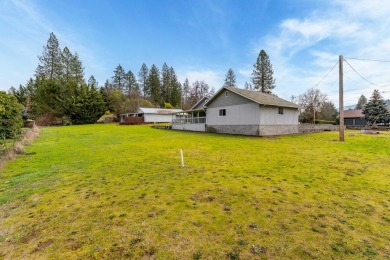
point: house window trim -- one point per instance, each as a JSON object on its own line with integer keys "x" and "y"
{"x": 280, "y": 110}
{"x": 222, "y": 112}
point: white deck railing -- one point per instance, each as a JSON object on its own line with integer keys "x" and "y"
{"x": 191, "y": 120}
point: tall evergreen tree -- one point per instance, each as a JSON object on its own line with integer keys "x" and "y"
{"x": 50, "y": 60}
{"x": 212, "y": 91}
{"x": 230, "y": 79}
{"x": 186, "y": 90}
{"x": 165, "y": 83}
{"x": 361, "y": 102}
{"x": 66, "y": 62}
{"x": 131, "y": 87}
{"x": 376, "y": 109}
{"x": 248, "y": 86}
{"x": 119, "y": 78}
{"x": 72, "y": 68}
{"x": 155, "y": 85}
{"x": 143, "y": 76}
{"x": 175, "y": 87}
{"x": 262, "y": 75}
{"x": 77, "y": 69}
{"x": 204, "y": 88}
{"x": 92, "y": 82}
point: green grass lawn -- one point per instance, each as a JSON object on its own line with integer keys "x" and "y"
{"x": 108, "y": 191}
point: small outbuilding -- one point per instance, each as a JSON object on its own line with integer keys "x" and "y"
{"x": 245, "y": 112}
{"x": 150, "y": 115}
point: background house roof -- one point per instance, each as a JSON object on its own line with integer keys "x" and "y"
{"x": 161, "y": 111}
{"x": 353, "y": 113}
{"x": 257, "y": 97}
{"x": 200, "y": 104}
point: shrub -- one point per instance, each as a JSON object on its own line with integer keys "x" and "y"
{"x": 322, "y": 122}
{"x": 107, "y": 118}
{"x": 10, "y": 115}
{"x": 48, "y": 120}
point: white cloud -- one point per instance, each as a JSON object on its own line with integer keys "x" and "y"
{"x": 212, "y": 78}
{"x": 304, "y": 49}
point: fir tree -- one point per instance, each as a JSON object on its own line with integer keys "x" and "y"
{"x": 119, "y": 78}
{"x": 175, "y": 87}
{"x": 376, "y": 109}
{"x": 155, "y": 85}
{"x": 50, "y": 61}
{"x": 66, "y": 61}
{"x": 77, "y": 69}
{"x": 262, "y": 75}
{"x": 72, "y": 68}
{"x": 362, "y": 101}
{"x": 92, "y": 82}
{"x": 143, "y": 80}
{"x": 165, "y": 83}
{"x": 230, "y": 79}
{"x": 248, "y": 86}
{"x": 131, "y": 87}
{"x": 186, "y": 90}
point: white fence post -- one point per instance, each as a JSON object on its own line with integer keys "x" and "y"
{"x": 182, "y": 158}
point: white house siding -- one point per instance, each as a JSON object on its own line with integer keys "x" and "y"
{"x": 245, "y": 114}
{"x": 269, "y": 116}
{"x": 273, "y": 123}
{"x": 231, "y": 99}
{"x": 156, "y": 118}
{"x": 240, "y": 119}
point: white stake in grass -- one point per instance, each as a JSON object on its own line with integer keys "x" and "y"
{"x": 182, "y": 158}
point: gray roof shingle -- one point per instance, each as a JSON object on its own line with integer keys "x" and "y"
{"x": 258, "y": 97}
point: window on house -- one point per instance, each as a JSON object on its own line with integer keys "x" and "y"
{"x": 222, "y": 112}
{"x": 226, "y": 93}
{"x": 280, "y": 111}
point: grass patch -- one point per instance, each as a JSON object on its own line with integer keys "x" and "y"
{"x": 111, "y": 191}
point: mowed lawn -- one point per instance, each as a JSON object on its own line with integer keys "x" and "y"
{"x": 109, "y": 191}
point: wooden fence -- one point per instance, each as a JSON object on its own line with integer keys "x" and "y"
{"x": 132, "y": 120}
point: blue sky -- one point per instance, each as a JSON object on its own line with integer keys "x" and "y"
{"x": 202, "y": 39}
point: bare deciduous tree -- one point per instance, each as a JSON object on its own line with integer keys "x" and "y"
{"x": 310, "y": 103}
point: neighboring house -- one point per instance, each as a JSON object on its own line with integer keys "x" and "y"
{"x": 150, "y": 115}
{"x": 354, "y": 118}
{"x": 240, "y": 111}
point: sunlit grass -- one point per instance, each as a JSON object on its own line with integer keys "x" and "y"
{"x": 111, "y": 191}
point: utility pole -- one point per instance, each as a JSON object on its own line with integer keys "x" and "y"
{"x": 341, "y": 99}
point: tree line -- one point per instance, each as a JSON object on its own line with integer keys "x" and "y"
{"x": 58, "y": 93}
{"x": 315, "y": 107}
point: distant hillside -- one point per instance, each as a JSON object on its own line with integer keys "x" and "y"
{"x": 349, "y": 107}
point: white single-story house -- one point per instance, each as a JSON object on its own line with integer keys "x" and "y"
{"x": 240, "y": 111}
{"x": 150, "y": 115}
{"x": 245, "y": 112}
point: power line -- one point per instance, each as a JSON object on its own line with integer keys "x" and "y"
{"x": 325, "y": 75}
{"x": 353, "y": 80}
{"x": 362, "y": 76}
{"x": 367, "y": 59}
